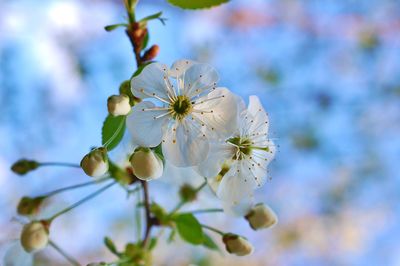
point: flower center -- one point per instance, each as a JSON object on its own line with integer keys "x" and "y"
{"x": 181, "y": 106}
{"x": 243, "y": 146}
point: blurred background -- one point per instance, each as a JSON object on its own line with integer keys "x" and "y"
{"x": 328, "y": 73}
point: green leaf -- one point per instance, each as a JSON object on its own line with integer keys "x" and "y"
{"x": 113, "y": 130}
{"x": 189, "y": 228}
{"x": 111, "y": 246}
{"x": 145, "y": 41}
{"x": 196, "y": 4}
{"x": 209, "y": 242}
{"x": 171, "y": 236}
{"x": 154, "y": 16}
{"x": 153, "y": 243}
{"x": 113, "y": 27}
{"x": 158, "y": 151}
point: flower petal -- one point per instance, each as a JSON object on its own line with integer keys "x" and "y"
{"x": 184, "y": 144}
{"x": 179, "y": 67}
{"x": 260, "y": 122}
{"x": 219, "y": 153}
{"x": 151, "y": 82}
{"x": 218, "y": 111}
{"x": 236, "y": 184}
{"x": 146, "y": 125}
{"x": 17, "y": 256}
{"x": 239, "y": 209}
{"x": 199, "y": 78}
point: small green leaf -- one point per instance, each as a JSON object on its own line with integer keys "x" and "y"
{"x": 145, "y": 41}
{"x": 158, "y": 151}
{"x": 196, "y": 4}
{"x": 209, "y": 242}
{"x": 171, "y": 236}
{"x": 189, "y": 228}
{"x": 112, "y": 132}
{"x": 113, "y": 27}
{"x": 154, "y": 16}
{"x": 111, "y": 246}
{"x": 153, "y": 243}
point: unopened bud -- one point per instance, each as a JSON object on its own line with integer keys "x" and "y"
{"x": 187, "y": 193}
{"x": 23, "y": 166}
{"x": 118, "y": 105}
{"x": 35, "y": 236}
{"x": 261, "y": 216}
{"x": 237, "y": 245}
{"x": 95, "y": 163}
{"x": 146, "y": 164}
{"x": 29, "y": 206}
{"x": 97, "y": 264}
{"x": 151, "y": 53}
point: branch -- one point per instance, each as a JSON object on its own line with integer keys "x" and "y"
{"x": 149, "y": 220}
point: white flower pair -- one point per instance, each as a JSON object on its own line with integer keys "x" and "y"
{"x": 203, "y": 126}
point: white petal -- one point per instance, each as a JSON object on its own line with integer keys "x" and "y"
{"x": 219, "y": 153}
{"x": 184, "y": 144}
{"x": 236, "y": 184}
{"x": 144, "y": 126}
{"x": 16, "y": 256}
{"x": 240, "y": 209}
{"x": 260, "y": 122}
{"x": 151, "y": 82}
{"x": 179, "y": 67}
{"x": 218, "y": 111}
{"x": 199, "y": 78}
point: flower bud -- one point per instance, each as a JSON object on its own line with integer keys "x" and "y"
{"x": 29, "y": 206}
{"x": 151, "y": 53}
{"x": 118, "y": 105}
{"x": 187, "y": 193}
{"x": 95, "y": 163}
{"x": 146, "y": 164}
{"x": 97, "y": 264}
{"x": 23, "y": 166}
{"x": 35, "y": 236}
{"x": 237, "y": 245}
{"x": 261, "y": 216}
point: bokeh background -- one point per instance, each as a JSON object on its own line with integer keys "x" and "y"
{"x": 328, "y": 73}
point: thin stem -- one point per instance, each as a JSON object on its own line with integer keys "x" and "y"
{"x": 213, "y": 229}
{"x": 81, "y": 201}
{"x": 205, "y": 211}
{"x": 149, "y": 224}
{"x": 74, "y": 165}
{"x": 64, "y": 254}
{"x": 52, "y": 193}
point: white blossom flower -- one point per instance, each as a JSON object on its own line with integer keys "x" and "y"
{"x": 146, "y": 164}
{"x": 261, "y": 216}
{"x": 189, "y": 111}
{"x": 237, "y": 245}
{"x": 239, "y": 165}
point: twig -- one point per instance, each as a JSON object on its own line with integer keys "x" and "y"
{"x": 64, "y": 254}
{"x": 149, "y": 222}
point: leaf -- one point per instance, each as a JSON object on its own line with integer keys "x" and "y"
{"x": 196, "y": 4}
{"x": 111, "y": 246}
{"x": 145, "y": 41}
{"x": 113, "y": 27}
{"x": 171, "y": 236}
{"x": 113, "y": 130}
{"x": 151, "y": 17}
{"x": 209, "y": 242}
{"x": 189, "y": 228}
{"x": 158, "y": 151}
{"x": 153, "y": 243}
